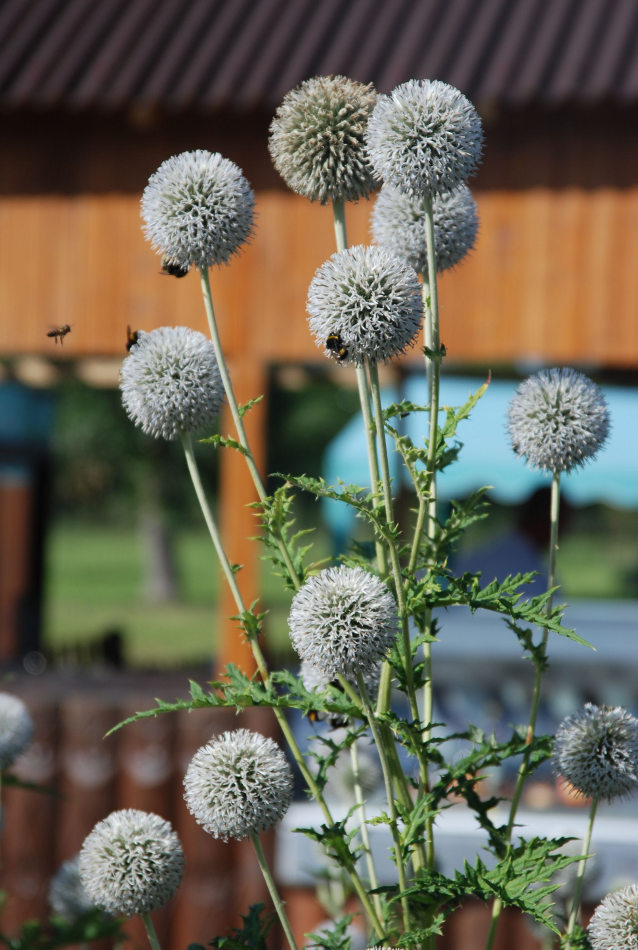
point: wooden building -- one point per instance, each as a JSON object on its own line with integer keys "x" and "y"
{"x": 94, "y": 94}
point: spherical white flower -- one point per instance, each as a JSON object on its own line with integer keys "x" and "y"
{"x": 343, "y": 621}
{"x": 170, "y": 382}
{"x": 238, "y": 784}
{"x": 198, "y": 209}
{"x": 364, "y": 304}
{"x": 398, "y": 224}
{"x": 596, "y": 750}
{"x": 425, "y": 137}
{"x": 131, "y": 862}
{"x": 614, "y": 924}
{"x": 16, "y": 729}
{"x": 67, "y": 895}
{"x": 317, "y": 139}
{"x": 557, "y": 419}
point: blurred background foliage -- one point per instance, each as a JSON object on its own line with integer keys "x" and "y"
{"x": 127, "y": 552}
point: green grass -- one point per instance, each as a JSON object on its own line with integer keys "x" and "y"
{"x": 94, "y": 583}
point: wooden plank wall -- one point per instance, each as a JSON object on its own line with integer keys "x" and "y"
{"x": 552, "y": 279}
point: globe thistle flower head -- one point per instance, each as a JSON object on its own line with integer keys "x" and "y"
{"x": 238, "y": 784}
{"x": 16, "y": 729}
{"x": 343, "y": 620}
{"x": 131, "y": 862}
{"x": 557, "y": 420}
{"x": 197, "y": 210}
{"x": 67, "y": 895}
{"x": 170, "y": 382}
{"x": 398, "y": 224}
{"x": 317, "y": 139}
{"x": 364, "y": 304}
{"x": 425, "y": 137}
{"x": 596, "y": 751}
{"x": 614, "y": 923}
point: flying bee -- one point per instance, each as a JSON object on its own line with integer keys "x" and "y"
{"x": 173, "y": 269}
{"x": 58, "y": 333}
{"x": 335, "y": 344}
{"x": 132, "y": 336}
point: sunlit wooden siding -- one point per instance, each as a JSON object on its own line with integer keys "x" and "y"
{"x": 553, "y": 278}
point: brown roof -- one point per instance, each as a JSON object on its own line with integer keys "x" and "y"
{"x": 245, "y": 54}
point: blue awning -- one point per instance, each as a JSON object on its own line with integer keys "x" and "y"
{"x": 486, "y": 457}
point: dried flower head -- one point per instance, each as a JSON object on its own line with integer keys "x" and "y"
{"x": 238, "y": 784}
{"x": 170, "y": 382}
{"x": 557, "y": 420}
{"x": 425, "y": 137}
{"x": 131, "y": 862}
{"x": 16, "y": 729}
{"x": 614, "y": 924}
{"x": 198, "y": 209}
{"x": 343, "y": 620}
{"x": 317, "y": 139}
{"x": 67, "y": 895}
{"x": 364, "y": 304}
{"x": 398, "y": 224}
{"x": 596, "y": 750}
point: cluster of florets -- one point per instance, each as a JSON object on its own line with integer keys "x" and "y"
{"x": 424, "y": 138}
{"x": 170, "y": 382}
{"x": 343, "y": 621}
{"x": 557, "y": 420}
{"x": 67, "y": 895}
{"x": 364, "y": 304}
{"x": 131, "y": 862}
{"x": 238, "y": 784}
{"x": 398, "y": 223}
{"x": 596, "y": 751}
{"x": 317, "y": 139}
{"x": 198, "y": 210}
{"x": 614, "y": 923}
{"x": 16, "y": 729}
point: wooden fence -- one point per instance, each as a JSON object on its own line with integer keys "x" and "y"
{"x": 141, "y": 766}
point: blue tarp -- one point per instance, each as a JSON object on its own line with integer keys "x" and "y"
{"x": 487, "y": 457}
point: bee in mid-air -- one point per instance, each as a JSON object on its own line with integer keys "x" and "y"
{"x": 173, "y": 269}
{"x": 132, "y": 336}
{"x": 335, "y": 344}
{"x": 58, "y": 333}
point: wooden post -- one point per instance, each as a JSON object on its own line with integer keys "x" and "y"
{"x": 238, "y": 522}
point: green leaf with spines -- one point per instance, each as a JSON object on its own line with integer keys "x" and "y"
{"x": 251, "y": 935}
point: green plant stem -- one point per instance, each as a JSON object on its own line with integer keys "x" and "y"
{"x": 237, "y": 418}
{"x": 580, "y": 875}
{"x": 521, "y": 775}
{"x": 151, "y": 933}
{"x": 384, "y": 701}
{"x": 387, "y": 778}
{"x": 272, "y": 890}
{"x": 263, "y": 669}
{"x": 363, "y": 827}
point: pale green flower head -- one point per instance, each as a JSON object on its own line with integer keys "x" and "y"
{"x": 614, "y": 924}
{"x": 317, "y": 139}
{"x": 131, "y": 862}
{"x": 596, "y": 750}
{"x": 16, "y": 729}
{"x": 170, "y": 382}
{"x": 364, "y": 304}
{"x": 343, "y": 620}
{"x": 398, "y": 224}
{"x": 557, "y": 420}
{"x": 197, "y": 210}
{"x": 424, "y": 138}
{"x": 238, "y": 784}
